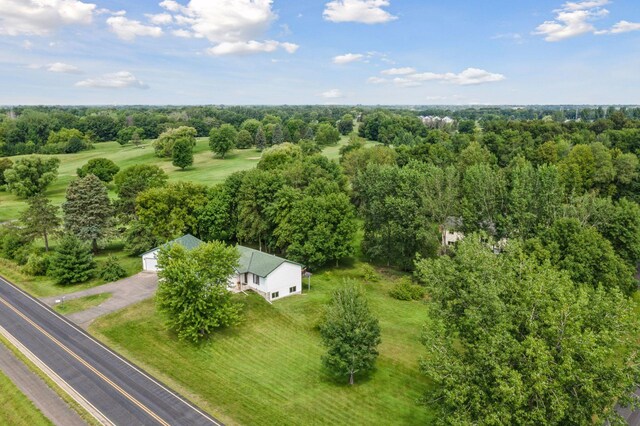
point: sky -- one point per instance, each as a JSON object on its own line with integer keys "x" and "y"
{"x": 374, "y": 52}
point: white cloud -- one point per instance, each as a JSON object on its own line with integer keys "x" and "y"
{"x": 399, "y": 71}
{"x": 410, "y": 78}
{"x": 233, "y": 26}
{"x": 129, "y": 29}
{"x": 622, "y": 27}
{"x": 249, "y": 47}
{"x": 347, "y": 58}
{"x": 363, "y": 11}
{"x": 118, "y": 80}
{"x": 584, "y": 5}
{"x": 574, "y": 19}
{"x": 63, "y": 68}
{"x": 42, "y": 17}
{"x": 332, "y": 94}
{"x": 160, "y": 18}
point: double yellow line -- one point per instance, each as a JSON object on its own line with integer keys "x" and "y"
{"x": 86, "y": 364}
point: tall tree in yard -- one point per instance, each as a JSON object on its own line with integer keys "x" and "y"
{"x": 72, "y": 262}
{"x": 222, "y": 139}
{"x": 350, "y": 332}
{"x": 182, "y": 153}
{"x": 88, "y": 213}
{"x": 40, "y": 219}
{"x": 192, "y": 290}
{"x": 134, "y": 180}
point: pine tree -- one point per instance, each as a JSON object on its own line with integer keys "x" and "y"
{"x": 182, "y": 153}
{"x": 261, "y": 139}
{"x": 88, "y": 213}
{"x": 72, "y": 263}
{"x": 350, "y": 332}
{"x": 40, "y": 219}
{"x": 278, "y": 136}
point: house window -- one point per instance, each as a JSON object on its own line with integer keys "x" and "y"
{"x": 256, "y": 279}
{"x": 275, "y": 295}
{"x": 292, "y": 289}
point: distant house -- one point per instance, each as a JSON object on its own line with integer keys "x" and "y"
{"x": 451, "y": 231}
{"x": 270, "y": 276}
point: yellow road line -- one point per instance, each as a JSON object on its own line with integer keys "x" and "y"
{"x": 86, "y": 364}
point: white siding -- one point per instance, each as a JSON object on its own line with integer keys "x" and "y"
{"x": 150, "y": 261}
{"x": 282, "y": 278}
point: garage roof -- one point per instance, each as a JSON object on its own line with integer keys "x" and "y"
{"x": 258, "y": 262}
{"x": 187, "y": 241}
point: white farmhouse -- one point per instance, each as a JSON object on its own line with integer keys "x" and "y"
{"x": 270, "y": 276}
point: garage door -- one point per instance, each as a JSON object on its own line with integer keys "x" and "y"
{"x": 151, "y": 264}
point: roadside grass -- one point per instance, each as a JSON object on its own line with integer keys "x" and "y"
{"x": 42, "y": 286}
{"x": 81, "y": 303}
{"x": 17, "y": 409}
{"x": 268, "y": 370}
{"x": 73, "y": 404}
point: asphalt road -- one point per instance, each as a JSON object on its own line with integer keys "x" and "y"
{"x": 118, "y": 390}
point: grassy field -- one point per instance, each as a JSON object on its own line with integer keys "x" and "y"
{"x": 44, "y": 286}
{"x": 17, "y": 409}
{"x": 206, "y": 168}
{"x": 81, "y": 303}
{"x": 268, "y": 370}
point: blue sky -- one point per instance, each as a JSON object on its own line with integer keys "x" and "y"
{"x": 319, "y": 51}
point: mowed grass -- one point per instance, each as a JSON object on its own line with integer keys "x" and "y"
{"x": 42, "y": 286}
{"x": 16, "y": 409}
{"x": 81, "y": 303}
{"x": 268, "y": 370}
{"x": 207, "y": 169}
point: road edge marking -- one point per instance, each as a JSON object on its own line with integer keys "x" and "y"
{"x": 47, "y": 308}
{"x": 66, "y": 387}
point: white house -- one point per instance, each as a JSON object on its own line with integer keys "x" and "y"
{"x": 270, "y": 276}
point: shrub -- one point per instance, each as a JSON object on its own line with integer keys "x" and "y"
{"x": 369, "y": 274}
{"x": 37, "y": 265}
{"x": 406, "y": 290}
{"x": 72, "y": 263}
{"x": 13, "y": 245}
{"x": 111, "y": 270}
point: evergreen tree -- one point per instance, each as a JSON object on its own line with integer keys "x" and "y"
{"x": 40, "y": 219}
{"x": 261, "y": 139}
{"x": 72, "y": 262}
{"x": 88, "y": 213}
{"x": 350, "y": 332}
{"x": 278, "y": 136}
{"x": 182, "y": 153}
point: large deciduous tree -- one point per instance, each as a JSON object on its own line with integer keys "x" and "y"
{"x": 326, "y": 135}
{"x": 103, "y": 168}
{"x": 510, "y": 341}
{"x": 40, "y": 219}
{"x": 182, "y": 154}
{"x": 192, "y": 290}
{"x": 88, "y": 213}
{"x": 31, "y": 175}
{"x": 132, "y": 181}
{"x": 350, "y": 333}
{"x": 223, "y": 139}
{"x": 163, "y": 146}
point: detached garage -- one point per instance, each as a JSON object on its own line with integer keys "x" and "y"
{"x": 150, "y": 258}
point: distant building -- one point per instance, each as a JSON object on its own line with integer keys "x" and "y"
{"x": 451, "y": 231}
{"x": 437, "y": 122}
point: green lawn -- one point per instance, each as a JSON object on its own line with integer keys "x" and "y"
{"x": 81, "y": 303}
{"x": 206, "y": 168}
{"x": 17, "y": 409}
{"x": 44, "y": 286}
{"x": 268, "y": 370}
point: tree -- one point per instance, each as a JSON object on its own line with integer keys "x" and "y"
{"x": 345, "y": 124}
{"x": 350, "y": 333}
{"x": 67, "y": 141}
{"x": 5, "y": 164}
{"x": 517, "y": 342}
{"x": 192, "y": 290}
{"x": 244, "y": 140}
{"x": 251, "y": 125}
{"x": 30, "y": 176}
{"x": 483, "y": 198}
{"x": 72, "y": 262}
{"x": 132, "y": 181}
{"x": 40, "y": 219}
{"x": 130, "y": 134}
{"x": 261, "y": 139}
{"x": 88, "y": 213}
{"x": 182, "y": 153}
{"x": 278, "y": 135}
{"x": 222, "y": 139}
{"x": 163, "y": 146}
{"x": 103, "y": 168}
{"x": 326, "y": 135}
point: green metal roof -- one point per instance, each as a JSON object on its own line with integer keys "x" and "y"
{"x": 257, "y": 262}
{"x": 187, "y": 241}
